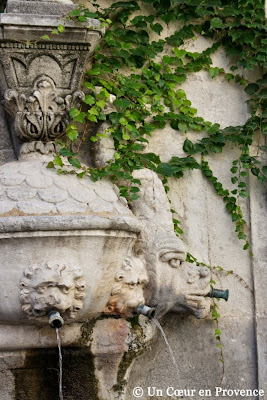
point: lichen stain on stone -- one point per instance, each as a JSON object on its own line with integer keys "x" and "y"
{"x": 130, "y": 355}
{"x": 86, "y": 333}
{"x": 126, "y": 361}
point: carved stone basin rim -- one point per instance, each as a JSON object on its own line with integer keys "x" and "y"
{"x": 68, "y": 223}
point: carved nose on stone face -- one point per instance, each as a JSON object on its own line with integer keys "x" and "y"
{"x": 204, "y": 272}
{"x": 197, "y": 273}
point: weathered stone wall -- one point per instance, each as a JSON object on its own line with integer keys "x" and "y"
{"x": 209, "y": 235}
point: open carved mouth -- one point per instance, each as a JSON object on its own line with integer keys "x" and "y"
{"x": 201, "y": 293}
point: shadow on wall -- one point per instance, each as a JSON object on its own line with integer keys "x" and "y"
{"x": 2, "y": 5}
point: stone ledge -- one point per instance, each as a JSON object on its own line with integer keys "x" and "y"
{"x": 32, "y": 20}
{"x": 67, "y": 223}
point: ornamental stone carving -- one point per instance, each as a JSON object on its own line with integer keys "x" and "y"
{"x": 42, "y": 77}
{"x": 43, "y": 115}
{"x": 175, "y": 285}
{"x": 127, "y": 292}
{"x": 52, "y": 286}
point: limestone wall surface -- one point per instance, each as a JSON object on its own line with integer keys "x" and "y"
{"x": 209, "y": 235}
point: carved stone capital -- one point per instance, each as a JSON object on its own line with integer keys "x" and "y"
{"x": 42, "y": 115}
{"x": 41, "y": 78}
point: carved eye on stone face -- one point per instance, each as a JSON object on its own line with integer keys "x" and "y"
{"x": 174, "y": 263}
{"x": 172, "y": 258}
{"x": 64, "y": 289}
{"x": 131, "y": 285}
{"x": 39, "y": 289}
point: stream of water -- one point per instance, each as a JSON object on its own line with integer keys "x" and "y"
{"x": 156, "y": 322}
{"x": 60, "y": 365}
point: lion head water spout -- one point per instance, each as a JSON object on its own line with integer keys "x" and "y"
{"x": 145, "y": 310}
{"x": 219, "y": 294}
{"x": 55, "y": 320}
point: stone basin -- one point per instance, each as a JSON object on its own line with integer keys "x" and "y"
{"x": 62, "y": 241}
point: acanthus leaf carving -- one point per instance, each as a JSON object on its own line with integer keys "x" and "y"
{"x": 43, "y": 115}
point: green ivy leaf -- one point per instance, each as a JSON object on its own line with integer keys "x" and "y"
{"x": 93, "y": 111}
{"x": 101, "y": 103}
{"x": 74, "y": 162}
{"x": 122, "y": 104}
{"x": 217, "y": 23}
{"x": 74, "y": 113}
{"x": 89, "y": 85}
{"x": 80, "y": 118}
{"x": 246, "y": 246}
{"x": 157, "y": 28}
{"x": 65, "y": 152}
{"x": 252, "y": 88}
{"x": 61, "y": 28}
{"x": 151, "y": 157}
{"x": 164, "y": 169}
{"x": 123, "y": 121}
{"x": 264, "y": 171}
{"x": 72, "y": 135}
{"x": 45, "y": 37}
{"x": 50, "y": 165}
{"x": 214, "y": 72}
{"x": 179, "y": 53}
{"x": 182, "y": 126}
{"x": 91, "y": 118}
{"x": 58, "y": 161}
{"x": 263, "y": 93}
{"x": 90, "y": 100}
{"x": 75, "y": 13}
{"x": 188, "y": 147}
{"x": 134, "y": 189}
{"x": 82, "y": 18}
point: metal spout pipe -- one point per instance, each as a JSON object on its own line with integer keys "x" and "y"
{"x": 149, "y": 312}
{"x": 55, "y": 320}
{"x": 219, "y": 294}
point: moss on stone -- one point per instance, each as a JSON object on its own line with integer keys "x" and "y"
{"x": 130, "y": 355}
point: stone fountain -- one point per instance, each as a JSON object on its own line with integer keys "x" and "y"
{"x": 73, "y": 245}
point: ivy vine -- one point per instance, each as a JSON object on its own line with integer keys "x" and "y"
{"x": 148, "y": 96}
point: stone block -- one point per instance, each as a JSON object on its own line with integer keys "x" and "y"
{"x": 39, "y": 7}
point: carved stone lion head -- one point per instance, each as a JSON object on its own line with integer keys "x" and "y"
{"x": 52, "y": 286}
{"x": 127, "y": 292}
